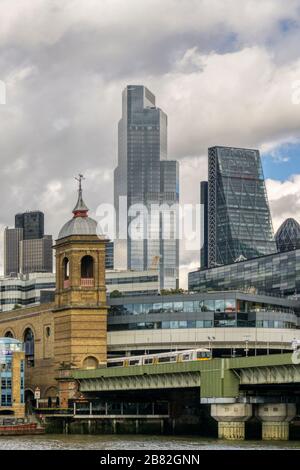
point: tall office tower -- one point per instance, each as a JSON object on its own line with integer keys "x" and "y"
{"x": 142, "y": 150}
{"x": 36, "y": 255}
{"x": 32, "y": 223}
{"x": 239, "y": 219}
{"x": 12, "y": 238}
{"x": 204, "y": 224}
{"x": 26, "y": 248}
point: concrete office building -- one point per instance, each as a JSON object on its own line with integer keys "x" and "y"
{"x": 12, "y": 238}
{"x": 36, "y": 255}
{"x": 26, "y": 248}
{"x": 25, "y": 290}
{"x": 38, "y": 288}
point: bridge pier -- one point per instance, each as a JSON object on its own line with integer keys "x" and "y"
{"x": 231, "y": 418}
{"x": 275, "y": 420}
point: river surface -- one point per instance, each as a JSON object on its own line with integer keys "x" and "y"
{"x": 133, "y": 442}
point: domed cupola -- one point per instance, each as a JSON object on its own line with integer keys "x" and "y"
{"x": 81, "y": 223}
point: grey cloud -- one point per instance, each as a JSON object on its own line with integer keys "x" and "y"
{"x": 66, "y": 62}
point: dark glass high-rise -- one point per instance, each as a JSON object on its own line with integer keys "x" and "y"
{"x": 239, "y": 219}
{"x": 32, "y": 223}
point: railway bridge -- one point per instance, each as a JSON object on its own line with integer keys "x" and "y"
{"x": 267, "y": 387}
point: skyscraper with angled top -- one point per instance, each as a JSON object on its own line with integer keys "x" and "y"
{"x": 239, "y": 219}
{"x": 145, "y": 177}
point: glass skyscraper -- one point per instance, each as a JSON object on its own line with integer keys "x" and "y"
{"x": 288, "y": 236}
{"x": 239, "y": 219}
{"x": 146, "y": 178}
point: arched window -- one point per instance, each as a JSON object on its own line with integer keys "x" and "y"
{"x": 90, "y": 362}
{"x": 29, "y": 347}
{"x": 8, "y": 334}
{"x": 87, "y": 271}
{"x": 66, "y": 268}
{"x": 66, "y": 272}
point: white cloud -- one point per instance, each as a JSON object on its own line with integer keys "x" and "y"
{"x": 284, "y": 198}
{"x": 221, "y": 69}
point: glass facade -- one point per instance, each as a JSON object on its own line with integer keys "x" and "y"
{"x": 109, "y": 255}
{"x": 8, "y": 346}
{"x": 288, "y": 236}
{"x": 239, "y": 220}
{"x": 204, "y": 224}
{"x": 145, "y": 177}
{"x": 277, "y": 274}
{"x": 208, "y": 311}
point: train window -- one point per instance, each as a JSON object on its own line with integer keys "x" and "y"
{"x": 148, "y": 360}
{"x": 185, "y": 357}
{"x": 134, "y": 362}
{"x": 115, "y": 364}
{"x": 164, "y": 359}
{"x": 203, "y": 354}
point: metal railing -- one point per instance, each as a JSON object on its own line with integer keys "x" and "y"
{"x": 110, "y": 409}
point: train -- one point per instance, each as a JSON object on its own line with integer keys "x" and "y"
{"x": 161, "y": 358}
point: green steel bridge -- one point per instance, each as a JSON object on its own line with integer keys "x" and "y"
{"x": 264, "y": 388}
{"x": 217, "y": 378}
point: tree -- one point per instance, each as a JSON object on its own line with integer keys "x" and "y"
{"x": 16, "y": 306}
{"x": 114, "y": 294}
{"x": 171, "y": 291}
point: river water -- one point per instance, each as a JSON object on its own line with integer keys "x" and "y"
{"x": 133, "y": 442}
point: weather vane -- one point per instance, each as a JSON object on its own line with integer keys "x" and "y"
{"x": 79, "y": 179}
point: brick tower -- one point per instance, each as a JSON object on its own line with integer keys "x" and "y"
{"x": 80, "y": 314}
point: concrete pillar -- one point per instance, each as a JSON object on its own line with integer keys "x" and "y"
{"x": 275, "y": 420}
{"x": 231, "y": 419}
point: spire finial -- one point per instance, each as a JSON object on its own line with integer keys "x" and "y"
{"x": 79, "y": 179}
{"x": 80, "y": 209}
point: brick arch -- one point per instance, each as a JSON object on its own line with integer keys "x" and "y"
{"x": 10, "y": 330}
{"x": 24, "y": 328}
{"x": 87, "y": 266}
{"x": 51, "y": 391}
{"x": 90, "y": 362}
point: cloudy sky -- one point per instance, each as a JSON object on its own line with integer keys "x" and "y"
{"x": 227, "y": 72}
